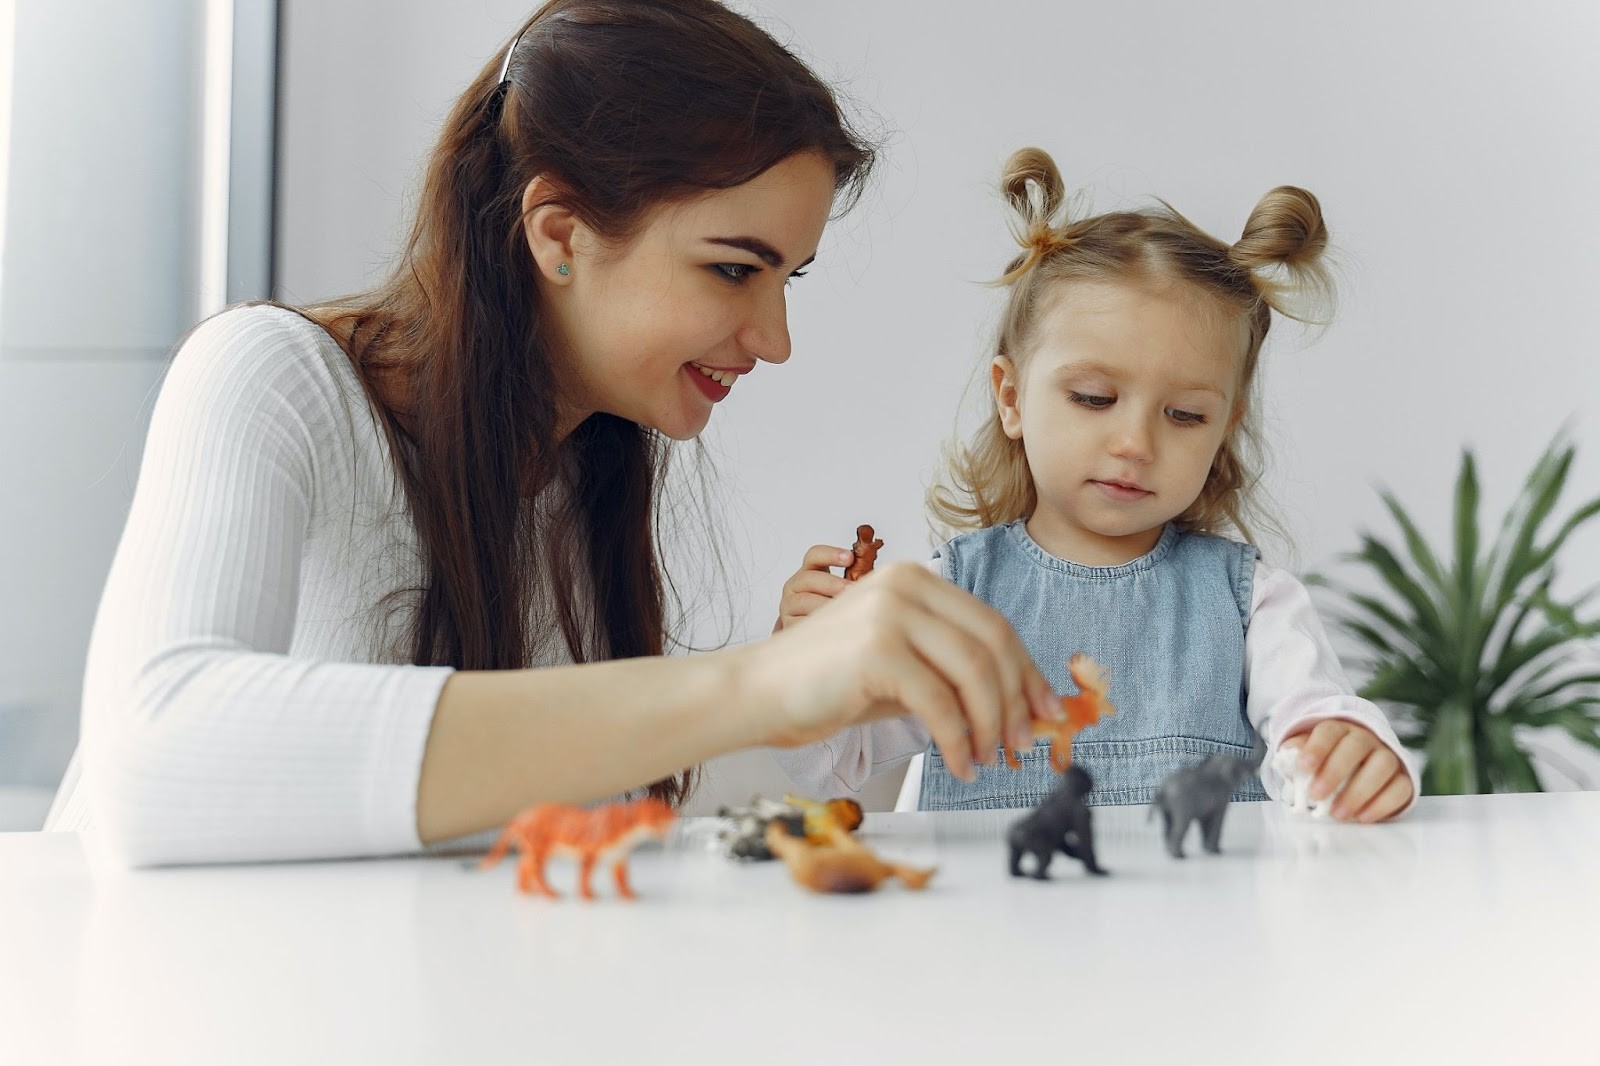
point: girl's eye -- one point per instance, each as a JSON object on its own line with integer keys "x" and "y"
{"x": 1095, "y": 403}
{"x": 1186, "y": 418}
{"x": 735, "y": 271}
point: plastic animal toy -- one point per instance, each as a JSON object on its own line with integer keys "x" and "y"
{"x": 746, "y": 837}
{"x": 1084, "y": 709}
{"x": 865, "y": 550}
{"x": 589, "y": 834}
{"x": 844, "y": 813}
{"x": 1199, "y": 794}
{"x": 841, "y": 864}
{"x": 1297, "y": 785}
{"x": 1060, "y": 823}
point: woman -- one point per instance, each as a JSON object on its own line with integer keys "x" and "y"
{"x": 391, "y": 573}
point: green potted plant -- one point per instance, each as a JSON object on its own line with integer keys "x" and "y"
{"x": 1464, "y": 655}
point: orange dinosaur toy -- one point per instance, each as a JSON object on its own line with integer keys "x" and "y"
{"x": 865, "y": 550}
{"x": 589, "y": 834}
{"x": 1083, "y": 710}
{"x": 842, "y": 864}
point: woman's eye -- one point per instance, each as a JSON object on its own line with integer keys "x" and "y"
{"x": 797, "y": 274}
{"x": 1094, "y": 402}
{"x": 735, "y": 271}
{"x": 1186, "y": 418}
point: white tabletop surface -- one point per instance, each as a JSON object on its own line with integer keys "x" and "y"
{"x": 1467, "y": 932}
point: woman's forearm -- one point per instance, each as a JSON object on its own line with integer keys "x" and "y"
{"x": 505, "y": 739}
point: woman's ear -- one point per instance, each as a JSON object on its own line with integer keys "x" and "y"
{"x": 1003, "y": 383}
{"x": 549, "y": 229}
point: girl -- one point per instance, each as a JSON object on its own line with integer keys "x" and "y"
{"x": 390, "y": 573}
{"x": 1094, "y": 499}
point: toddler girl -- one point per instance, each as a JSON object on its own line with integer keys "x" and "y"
{"x": 1094, "y": 503}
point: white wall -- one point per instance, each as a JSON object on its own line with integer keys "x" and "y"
{"x": 98, "y": 169}
{"x": 1454, "y": 148}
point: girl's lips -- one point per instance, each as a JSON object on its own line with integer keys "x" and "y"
{"x": 1122, "y": 493}
{"x": 711, "y": 390}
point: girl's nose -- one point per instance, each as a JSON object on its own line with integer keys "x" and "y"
{"x": 766, "y": 334}
{"x": 1133, "y": 441}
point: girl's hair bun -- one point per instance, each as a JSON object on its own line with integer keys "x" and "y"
{"x": 1032, "y": 185}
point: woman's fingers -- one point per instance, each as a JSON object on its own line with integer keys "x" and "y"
{"x": 971, "y": 669}
{"x": 901, "y": 637}
{"x": 919, "y": 689}
{"x": 1026, "y": 694}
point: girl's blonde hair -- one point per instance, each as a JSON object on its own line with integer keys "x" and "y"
{"x": 1276, "y": 265}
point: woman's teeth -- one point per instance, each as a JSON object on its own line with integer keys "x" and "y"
{"x": 725, "y": 378}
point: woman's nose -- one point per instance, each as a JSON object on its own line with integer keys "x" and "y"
{"x": 766, "y": 334}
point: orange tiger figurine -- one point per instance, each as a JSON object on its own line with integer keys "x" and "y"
{"x": 842, "y": 864}
{"x": 588, "y": 834}
{"x": 1083, "y": 710}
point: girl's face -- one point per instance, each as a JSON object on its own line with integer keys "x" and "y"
{"x": 1121, "y": 405}
{"x": 663, "y": 328}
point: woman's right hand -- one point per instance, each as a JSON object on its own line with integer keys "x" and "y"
{"x": 901, "y": 641}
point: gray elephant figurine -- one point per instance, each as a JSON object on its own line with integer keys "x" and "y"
{"x": 1061, "y": 823}
{"x": 1200, "y": 794}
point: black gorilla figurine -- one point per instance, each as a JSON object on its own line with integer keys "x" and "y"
{"x": 1061, "y": 823}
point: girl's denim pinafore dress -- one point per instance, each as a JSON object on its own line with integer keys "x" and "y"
{"x": 1169, "y": 629}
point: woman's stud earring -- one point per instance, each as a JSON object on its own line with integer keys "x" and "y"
{"x": 563, "y": 270}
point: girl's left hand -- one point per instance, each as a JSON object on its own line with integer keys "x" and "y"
{"x": 1378, "y": 785}
{"x": 813, "y": 585}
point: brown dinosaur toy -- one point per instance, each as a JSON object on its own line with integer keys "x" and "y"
{"x": 865, "y": 550}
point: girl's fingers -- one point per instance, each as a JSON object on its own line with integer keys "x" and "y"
{"x": 821, "y": 556}
{"x": 1369, "y": 779}
{"x": 1389, "y": 801}
{"x": 1351, "y": 750}
{"x": 806, "y": 591}
{"x": 821, "y": 583}
{"x": 1316, "y": 744}
{"x": 796, "y": 607}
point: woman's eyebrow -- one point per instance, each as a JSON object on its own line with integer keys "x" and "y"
{"x": 756, "y": 246}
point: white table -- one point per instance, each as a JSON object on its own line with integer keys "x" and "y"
{"x": 1468, "y": 932}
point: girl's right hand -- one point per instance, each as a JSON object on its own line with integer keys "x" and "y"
{"x": 901, "y": 641}
{"x": 813, "y": 585}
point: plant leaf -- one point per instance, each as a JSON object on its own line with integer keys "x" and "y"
{"x": 1533, "y": 505}
{"x": 1450, "y": 756}
{"x": 1466, "y": 526}
{"x": 1505, "y": 767}
{"x": 1564, "y": 683}
{"x": 1377, "y": 555}
{"x": 1420, "y": 552}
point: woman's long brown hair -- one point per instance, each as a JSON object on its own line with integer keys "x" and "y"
{"x": 624, "y": 105}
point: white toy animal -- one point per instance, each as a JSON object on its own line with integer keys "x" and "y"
{"x": 1297, "y": 785}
